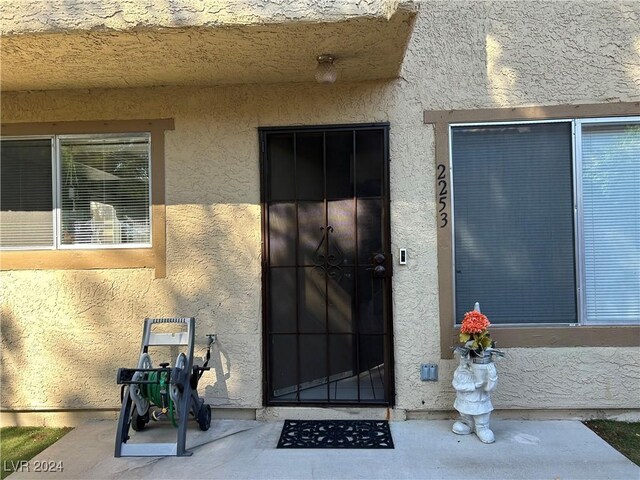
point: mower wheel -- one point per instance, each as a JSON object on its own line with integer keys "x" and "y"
{"x": 204, "y": 417}
{"x": 138, "y": 422}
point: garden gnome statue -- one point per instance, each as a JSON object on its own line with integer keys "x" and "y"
{"x": 473, "y": 380}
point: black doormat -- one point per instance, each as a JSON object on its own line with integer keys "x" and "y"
{"x": 335, "y": 434}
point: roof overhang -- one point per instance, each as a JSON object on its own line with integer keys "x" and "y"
{"x": 366, "y": 47}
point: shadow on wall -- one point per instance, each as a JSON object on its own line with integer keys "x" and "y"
{"x": 12, "y": 346}
{"x": 65, "y": 333}
{"x": 218, "y": 393}
{"x": 47, "y": 366}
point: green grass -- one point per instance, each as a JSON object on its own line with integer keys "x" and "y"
{"x": 623, "y": 436}
{"x": 24, "y": 443}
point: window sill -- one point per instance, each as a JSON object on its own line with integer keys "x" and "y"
{"x": 560, "y": 336}
{"x": 83, "y": 259}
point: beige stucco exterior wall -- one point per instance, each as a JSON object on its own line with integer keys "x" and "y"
{"x": 137, "y": 43}
{"x": 33, "y": 16}
{"x": 64, "y": 333}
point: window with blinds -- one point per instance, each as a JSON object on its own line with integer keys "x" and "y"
{"x": 513, "y": 222}
{"x": 104, "y": 189}
{"x": 611, "y": 221}
{"x": 75, "y": 191}
{"x": 26, "y": 193}
{"x": 523, "y": 248}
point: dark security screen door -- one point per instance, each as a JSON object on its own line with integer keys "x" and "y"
{"x": 327, "y": 265}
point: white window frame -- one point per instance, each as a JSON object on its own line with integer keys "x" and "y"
{"x": 57, "y": 193}
{"x": 578, "y": 221}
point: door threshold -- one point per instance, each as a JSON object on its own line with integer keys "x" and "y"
{"x": 330, "y": 412}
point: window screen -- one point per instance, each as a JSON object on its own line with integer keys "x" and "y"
{"x": 26, "y": 202}
{"x": 513, "y": 222}
{"x": 611, "y": 222}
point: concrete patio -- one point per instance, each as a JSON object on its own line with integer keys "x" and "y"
{"x": 243, "y": 449}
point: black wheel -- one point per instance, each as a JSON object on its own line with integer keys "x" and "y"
{"x": 204, "y": 417}
{"x": 138, "y": 422}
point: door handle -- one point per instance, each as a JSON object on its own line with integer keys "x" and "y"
{"x": 381, "y": 265}
{"x": 379, "y": 271}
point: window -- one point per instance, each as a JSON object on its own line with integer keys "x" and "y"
{"x": 75, "y": 191}
{"x": 26, "y": 193}
{"x": 83, "y": 195}
{"x": 609, "y": 162}
{"x": 546, "y": 224}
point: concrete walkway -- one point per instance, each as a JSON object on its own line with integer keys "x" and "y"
{"x": 235, "y": 449}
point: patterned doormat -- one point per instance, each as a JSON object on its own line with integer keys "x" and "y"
{"x": 335, "y": 434}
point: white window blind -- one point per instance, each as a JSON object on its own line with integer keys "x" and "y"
{"x": 104, "y": 189}
{"x": 26, "y": 203}
{"x": 611, "y": 221}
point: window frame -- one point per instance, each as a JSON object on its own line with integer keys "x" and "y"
{"x": 529, "y": 335}
{"x": 87, "y": 256}
{"x": 83, "y": 246}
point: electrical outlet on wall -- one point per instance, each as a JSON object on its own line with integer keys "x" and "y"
{"x": 429, "y": 372}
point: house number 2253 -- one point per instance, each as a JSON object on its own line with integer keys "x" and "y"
{"x": 442, "y": 193}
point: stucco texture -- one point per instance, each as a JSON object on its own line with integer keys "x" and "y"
{"x": 65, "y": 332}
{"x": 33, "y": 16}
{"x": 118, "y": 44}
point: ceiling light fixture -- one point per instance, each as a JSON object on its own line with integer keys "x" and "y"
{"x": 326, "y": 70}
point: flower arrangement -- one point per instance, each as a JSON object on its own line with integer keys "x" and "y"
{"x": 474, "y": 335}
{"x": 474, "y": 331}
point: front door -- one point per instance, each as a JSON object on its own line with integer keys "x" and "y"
{"x": 327, "y": 265}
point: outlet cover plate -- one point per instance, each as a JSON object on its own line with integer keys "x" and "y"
{"x": 429, "y": 372}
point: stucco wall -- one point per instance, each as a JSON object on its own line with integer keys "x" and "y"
{"x": 34, "y": 16}
{"x": 65, "y": 332}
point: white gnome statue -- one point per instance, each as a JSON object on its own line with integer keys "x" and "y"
{"x": 473, "y": 380}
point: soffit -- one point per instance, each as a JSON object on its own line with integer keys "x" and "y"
{"x": 366, "y": 48}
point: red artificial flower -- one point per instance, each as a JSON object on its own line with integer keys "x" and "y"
{"x": 474, "y": 322}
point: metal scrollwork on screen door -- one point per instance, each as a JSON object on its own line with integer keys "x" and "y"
{"x": 331, "y": 264}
